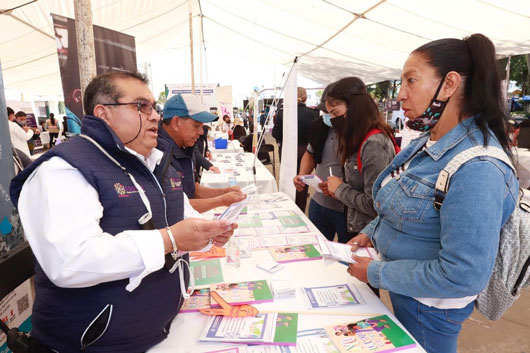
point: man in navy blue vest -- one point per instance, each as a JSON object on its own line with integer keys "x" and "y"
{"x": 184, "y": 115}
{"x": 100, "y": 226}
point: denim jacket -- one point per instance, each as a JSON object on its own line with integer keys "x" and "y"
{"x": 448, "y": 253}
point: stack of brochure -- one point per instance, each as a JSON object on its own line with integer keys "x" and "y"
{"x": 282, "y": 289}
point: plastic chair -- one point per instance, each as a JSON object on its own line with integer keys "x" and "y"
{"x": 266, "y": 148}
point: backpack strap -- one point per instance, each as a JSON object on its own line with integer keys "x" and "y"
{"x": 369, "y": 134}
{"x": 444, "y": 178}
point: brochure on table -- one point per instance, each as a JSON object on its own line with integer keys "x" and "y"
{"x": 274, "y": 329}
{"x": 313, "y": 340}
{"x": 339, "y": 295}
{"x": 375, "y": 334}
{"x": 248, "y": 292}
{"x": 207, "y": 271}
{"x": 294, "y": 253}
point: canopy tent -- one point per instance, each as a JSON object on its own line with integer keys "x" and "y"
{"x": 333, "y": 38}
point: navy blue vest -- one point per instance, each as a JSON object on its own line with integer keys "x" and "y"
{"x": 140, "y": 318}
{"x": 182, "y": 159}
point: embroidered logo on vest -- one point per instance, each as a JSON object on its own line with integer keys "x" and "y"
{"x": 123, "y": 190}
{"x": 175, "y": 183}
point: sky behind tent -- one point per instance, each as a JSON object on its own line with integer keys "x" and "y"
{"x": 252, "y": 42}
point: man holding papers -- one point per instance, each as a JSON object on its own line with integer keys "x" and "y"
{"x": 182, "y": 125}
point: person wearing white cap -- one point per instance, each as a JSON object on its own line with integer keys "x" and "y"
{"x": 184, "y": 116}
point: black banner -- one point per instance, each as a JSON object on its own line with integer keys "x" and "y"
{"x": 114, "y": 51}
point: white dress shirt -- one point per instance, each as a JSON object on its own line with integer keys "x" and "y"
{"x": 60, "y": 213}
{"x": 19, "y": 137}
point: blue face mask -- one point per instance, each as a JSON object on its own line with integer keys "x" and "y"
{"x": 327, "y": 119}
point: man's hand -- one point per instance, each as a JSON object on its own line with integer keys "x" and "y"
{"x": 333, "y": 184}
{"x": 298, "y": 183}
{"x": 324, "y": 187}
{"x": 215, "y": 169}
{"x": 360, "y": 269}
{"x": 235, "y": 188}
{"x": 194, "y": 233}
{"x": 360, "y": 241}
{"x": 232, "y": 197}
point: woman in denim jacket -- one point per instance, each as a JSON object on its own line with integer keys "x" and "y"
{"x": 434, "y": 263}
{"x": 353, "y": 115}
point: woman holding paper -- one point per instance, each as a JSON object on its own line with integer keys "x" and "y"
{"x": 436, "y": 258}
{"x": 325, "y": 211}
{"x": 365, "y": 148}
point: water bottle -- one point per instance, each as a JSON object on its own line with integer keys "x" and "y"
{"x": 233, "y": 255}
{"x": 232, "y": 181}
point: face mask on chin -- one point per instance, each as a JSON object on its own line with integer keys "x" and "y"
{"x": 428, "y": 119}
{"x": 338, "y": 122}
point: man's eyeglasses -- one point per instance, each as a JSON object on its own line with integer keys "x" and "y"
{"x": 142, "y": 106}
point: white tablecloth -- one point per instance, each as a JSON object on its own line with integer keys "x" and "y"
{"x": 186, "y": 327}
{"x": 523, "y": 167}
{"x": 240, "y": 165}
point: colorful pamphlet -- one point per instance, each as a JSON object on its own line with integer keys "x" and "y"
{"x": 289, "y": 219}
{"x": 343, "y": 253}
{"x": 273, "y": 329}
{"x": 375, "y": 334}
{"x": 207, "y": 272}
{"x": 295, "y": 253}
{"x": 251, "y": 292}
{"x": 200, "y": 299}
{"x": 339, "y": 295}
{"x": 312, "y": 180}
{"x": 250, "y": 221}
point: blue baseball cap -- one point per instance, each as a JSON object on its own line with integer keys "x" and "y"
{"x": 187, "y": 105}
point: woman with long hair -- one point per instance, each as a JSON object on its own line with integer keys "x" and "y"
{"x": 53, "y": 129}
{"x": 436, "y": 259}
{"x": 365, "y": 148}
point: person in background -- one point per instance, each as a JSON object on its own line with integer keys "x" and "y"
{"x": 20, "y": 134}
{"x": 102, "y": 281}
{"x": 227, "y": 125}
{"x": 434, "y": 261}
{"x": 65, "y": 126}
{"x": 42, "y": 126}
{"x": 181, "y": 127}
{"x": 325, "y": 211}
{"x": 365, "y": 148}
{"x": 203, "y": 155}
{"x": 305, "y": 117}
{"x": 53, "y": 128}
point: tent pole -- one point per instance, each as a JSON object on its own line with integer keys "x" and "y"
{"x": 190, "y": 20}
{"x": 85, "y": 42}
{"x": 507, "y": 81}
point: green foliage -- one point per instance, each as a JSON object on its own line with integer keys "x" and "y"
{"x": 519, "y": 72}
{"x": 162, "y": 97}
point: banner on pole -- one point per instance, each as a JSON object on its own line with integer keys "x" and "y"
{"x": 115, "y": 51}
{"x": 288, "y": 167}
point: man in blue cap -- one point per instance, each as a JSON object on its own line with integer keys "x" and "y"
{"x": 184, "y": 116}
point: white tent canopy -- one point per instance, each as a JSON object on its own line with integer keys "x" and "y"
{"x": 375, "y": 40}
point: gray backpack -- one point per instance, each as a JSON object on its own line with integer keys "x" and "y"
{"x": 511, "y": 271}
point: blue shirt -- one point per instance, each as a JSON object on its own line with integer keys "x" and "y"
{"x": 448, "y": 253}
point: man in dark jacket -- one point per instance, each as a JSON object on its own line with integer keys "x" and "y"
{"x": 102, "y": 282}
{"x": 305, "y": 117}
{"x": 182, "y": 125}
